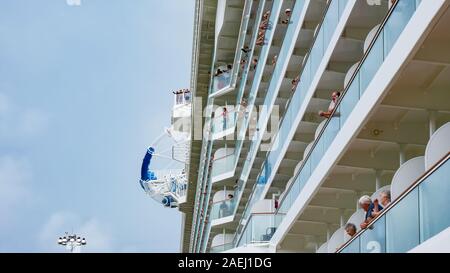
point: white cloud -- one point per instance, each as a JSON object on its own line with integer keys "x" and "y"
{"x": 98, "y": 237}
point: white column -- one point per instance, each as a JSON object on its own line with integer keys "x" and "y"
{"x": 342, "y": 220}
{"x": 358, "y": 195}
{"x": 432, "y": 121}
{"x": 377, "y": 179}
{"x": 402, "y": 153}
{"x": 328, "y": 232}
{"x": 316, "y": 243}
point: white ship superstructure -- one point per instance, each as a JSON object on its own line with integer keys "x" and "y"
{"x": 316, "y": 113}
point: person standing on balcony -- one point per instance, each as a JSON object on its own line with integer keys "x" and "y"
{"x": 224, "y": 208}
{"x": 187, "y": 95}
{"x": 246, "y": 50}
{"x": 229, "y": 68}
{"x": 218, "y": 72}
{"x": 266, "y": 15}
{"x": 225, "y": 117}
{"x": 334, "y": 100}
{"x": 288, "y": 13}
{"x": 243, "y": 107}
{"x": 227, "y": 72}
{"x": 178, "y": 95}
{"x": 243, "y": 62}
{"x": 236, "y": 184}
{"x": 295, "y": 83}
{"x": 274, "y": 60}
{"x": 254, "y": 63}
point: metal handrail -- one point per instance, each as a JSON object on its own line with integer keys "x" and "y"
{"x": 242, "y": 36}
{"x": 302, "y": 69}
{"x": 208, "y": 114}
{"x": 357, "y": 70}
{"x": 308, "y": 54}
{"x": 402, "y": 196}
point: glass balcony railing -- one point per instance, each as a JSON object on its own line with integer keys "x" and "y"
{"x": 249, "y": 56}
{"x": 221, "y": 248}
{"x": 257, "y": 192}
{"x": 224, "y": 125}
{"x": 227, "y": 165}
{"x": 221, "y": 81}
{"x": 225, "y": 208}
{"x": 222, "y": 209}
{"x": 213, "y": 85}
{"x": 387, "y": 35}
{"x": 259, "y": 229}
{"x": 259, "y": 71}
{"x": 413, "y": 219}
{"x": 321, "y": 42}
{"x": 271, "y": 95}
{"x": 223, "y": 168}
{"x": 227, "y": 81}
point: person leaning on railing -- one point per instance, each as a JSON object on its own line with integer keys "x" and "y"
{"x": 265, "y": 24}
{"x": 369, "y": 207}
{"x": 254, "y": 63}
{"x": 229, "y": 68}
{"x": 392, "y": 2}
{"x": 295, "y": 83}
{"x": 350, "y": 229}
{"x": 242, "y": 63}
{"x": 224, "y": 207}
{"x": 385, "y": 199}
{"x": 274, "y": 60}
{"x": 288, "y": 13}
{"x": 334, "y": 99}
{"x": 218, "y": 72}
{"x": 246, "y": 50}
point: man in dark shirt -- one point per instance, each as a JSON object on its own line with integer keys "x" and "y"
{"x": 368, "y": 206}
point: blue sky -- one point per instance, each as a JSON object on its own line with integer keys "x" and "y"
{"x": 83, "y": 91}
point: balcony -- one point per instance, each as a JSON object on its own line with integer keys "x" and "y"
{"x": 224, "y": 125}
{"x": 221, "y": 248}
{"x": 259, "y": 228}
{"x": 362, "y": 75}
{"x": 224, "y": 165}
{"x": 221, "y": 242}
{"x": 322, "y": 39}
{"x": 411, "y": 220}
{"x": 222, "y": 82}
{"x": 226, "y": 82}
{"x": 224, "y": 207}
